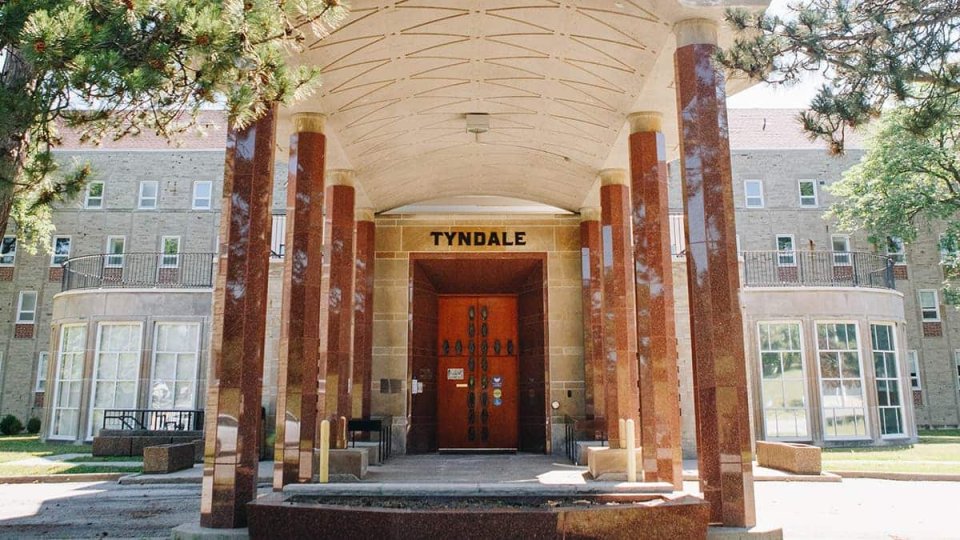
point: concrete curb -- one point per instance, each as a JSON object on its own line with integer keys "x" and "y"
{"x": 822, "y": 477}
{"x": 907, "y": 477}
{"x": 63, "y": 478}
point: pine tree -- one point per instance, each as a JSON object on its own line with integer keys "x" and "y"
{"x": 116, "y": 68}
{"x": 873, "y": 53}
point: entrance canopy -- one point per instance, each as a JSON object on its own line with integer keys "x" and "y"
{"x": 556, "y": 80}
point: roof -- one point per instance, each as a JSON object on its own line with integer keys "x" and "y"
{"x": 211, "y": 136}
{"x": 776, "y": 129}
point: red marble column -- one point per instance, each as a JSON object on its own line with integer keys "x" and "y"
{"x": 300, "y": 311}
{"x": 719, "y": 370}
{"x": 619, "y": 323}
{"x": 233, "y": 426}
{"x": 336, "y": 303}
{"x": 656, "y": 328}
{"x": 592, "y": 300}
{"x": 363, "y": 312}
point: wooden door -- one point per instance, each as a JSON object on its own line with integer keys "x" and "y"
{"x": 478, "y": 370}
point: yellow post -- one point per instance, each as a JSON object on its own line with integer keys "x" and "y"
{"x": 621, "y": 425}
{"x": 324, "y": 452}
{"x": 631, "y": 453}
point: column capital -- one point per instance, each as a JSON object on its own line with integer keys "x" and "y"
{"x": 589, "y": 213}
{"x": 340, "y": 177}
{"x": 363, "y": 214}
{"x": 308, "y": 122}
{"x": 695, "y": 32}
{"x": 613, "y": 177}
{"x": 645, "y": 121}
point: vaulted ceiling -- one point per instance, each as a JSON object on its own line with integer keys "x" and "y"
{"x": 557, "y": 78}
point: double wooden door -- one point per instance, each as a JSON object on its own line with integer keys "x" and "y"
{"x": 478, "y": 370}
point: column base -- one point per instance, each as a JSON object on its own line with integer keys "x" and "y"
{"x": 757, "y": 532}
{"x": 193, "y": 531}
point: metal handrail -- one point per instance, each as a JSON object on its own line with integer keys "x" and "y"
{"x": 153, "y": 419}
{"x": 796, "y": 268}
{"x": 139, "y": 270}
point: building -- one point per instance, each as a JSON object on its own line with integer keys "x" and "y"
{"x": 497, "y": 250}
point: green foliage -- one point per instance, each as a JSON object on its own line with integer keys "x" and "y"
{"x": 908, "y": 182}
{"x": 33, "y": 425}
{"x": 10, "y": 425}
{"x": 114, "y": 68}
{"x": 872, "y": 52}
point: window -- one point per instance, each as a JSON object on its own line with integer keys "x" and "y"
{"x": 8, "y": 251}
{"x": 202, "y": 194}
{"x": 950, "y": 255}
{"x": 841, "y": 249}
{"x": 786, "y": 256}
{"x": 808, "y": 193}
{"x": 889, "y": 400}
{"x": 175, "y": 363}
{"x": 115, "y": 372}
{"x": 42, "y": 359}
{"x": 94, "y": 195}
{"x": 956, "y": 361}
{"x": 914, "y": 365}
{"x": 68, "y": 381}
{"x": 148, "y": 195}
{"x": 753, "y": 193}
{"x": 61, "y": 250}
{"x": 782, "y": 381}
{"x": 841, "y": 381}
{"x": 171, "y": 251}
{"x": 115, "y": 245}
{"x": 929, "y": 305}
{"x": 895, "y": 250}
{"x": 27, "y": 307}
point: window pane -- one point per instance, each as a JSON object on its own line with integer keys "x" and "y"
{"x": 806, "y": 189}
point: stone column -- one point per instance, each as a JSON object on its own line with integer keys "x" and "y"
{"x": 300, "y": 311}
{"x": 619, "y": 323}
{"x": 656, "y": 328}
{"x": 719, "y": 371}
{"x": 592, "y": 299}
{"x": 363, "y": 312}
{"x": 336, "y": 303}
{"x": 233, "y": 426}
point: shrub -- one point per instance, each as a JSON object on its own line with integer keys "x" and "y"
{"x": 33, "y": 425}
{"x": 10, "y": 425}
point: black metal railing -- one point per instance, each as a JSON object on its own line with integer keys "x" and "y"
{"x": 580, "y": 429}
{"x": 153, "y": 419}
{"x": 139, "y": 270}
{"x": 817, "y": 269}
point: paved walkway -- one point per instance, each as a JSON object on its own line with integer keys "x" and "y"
{"x": 65, "y": 460}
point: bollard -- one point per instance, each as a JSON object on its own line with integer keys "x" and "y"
{"x": 621, "y": 426}
{"x": 631, "y": 453}
{"x": 342, "y": 435}
{"x": 324, "y": 452}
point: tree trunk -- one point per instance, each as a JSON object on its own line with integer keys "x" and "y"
{"x": 16, "y": 77}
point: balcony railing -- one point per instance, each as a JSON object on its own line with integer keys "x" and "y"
{"x": 139, "y": 270}
{"x": 153, "y": 419}
{"x": 817, "y": 269}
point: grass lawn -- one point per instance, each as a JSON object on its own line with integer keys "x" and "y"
{"x": 937, "y": 452}
{"x": 17, "y": 447}
{"x": 103, "y": 459}
{"x": 61, "y": 468}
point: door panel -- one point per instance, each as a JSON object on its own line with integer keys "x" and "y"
{"x": 478, "y": 370}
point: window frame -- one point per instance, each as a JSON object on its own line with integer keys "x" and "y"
{"x": 864, "y": 409}
{"x": 155, "y": 198}
{"x": 12, "y": 253}
{"x": 782, "y": 253}
{"x": 816, "y": 193}
{"x": 897, "y": 380}
{"x": 956, "y": 365}
{"x": 935, "y": 307}
{"x": 913, "y": 364}
{"x": 747, "y": 196}
{"x": 55, "y": 404}
{"x": 94, "y": 379}
{"x": 174, "y": 257}
{"x": 838, "y": 256}
{"x": 87, "y": 198}
{"x": 53, "y": 253}
{"x": 43, "y": 361}
{"x": 20, "y": 311}
{"x": 209, "y": 198}
{"x": 804, "y": 377}
{"x": 109, "y": 256}
{"x": 900, "y": 256}
{"x": 155, "y": 351}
